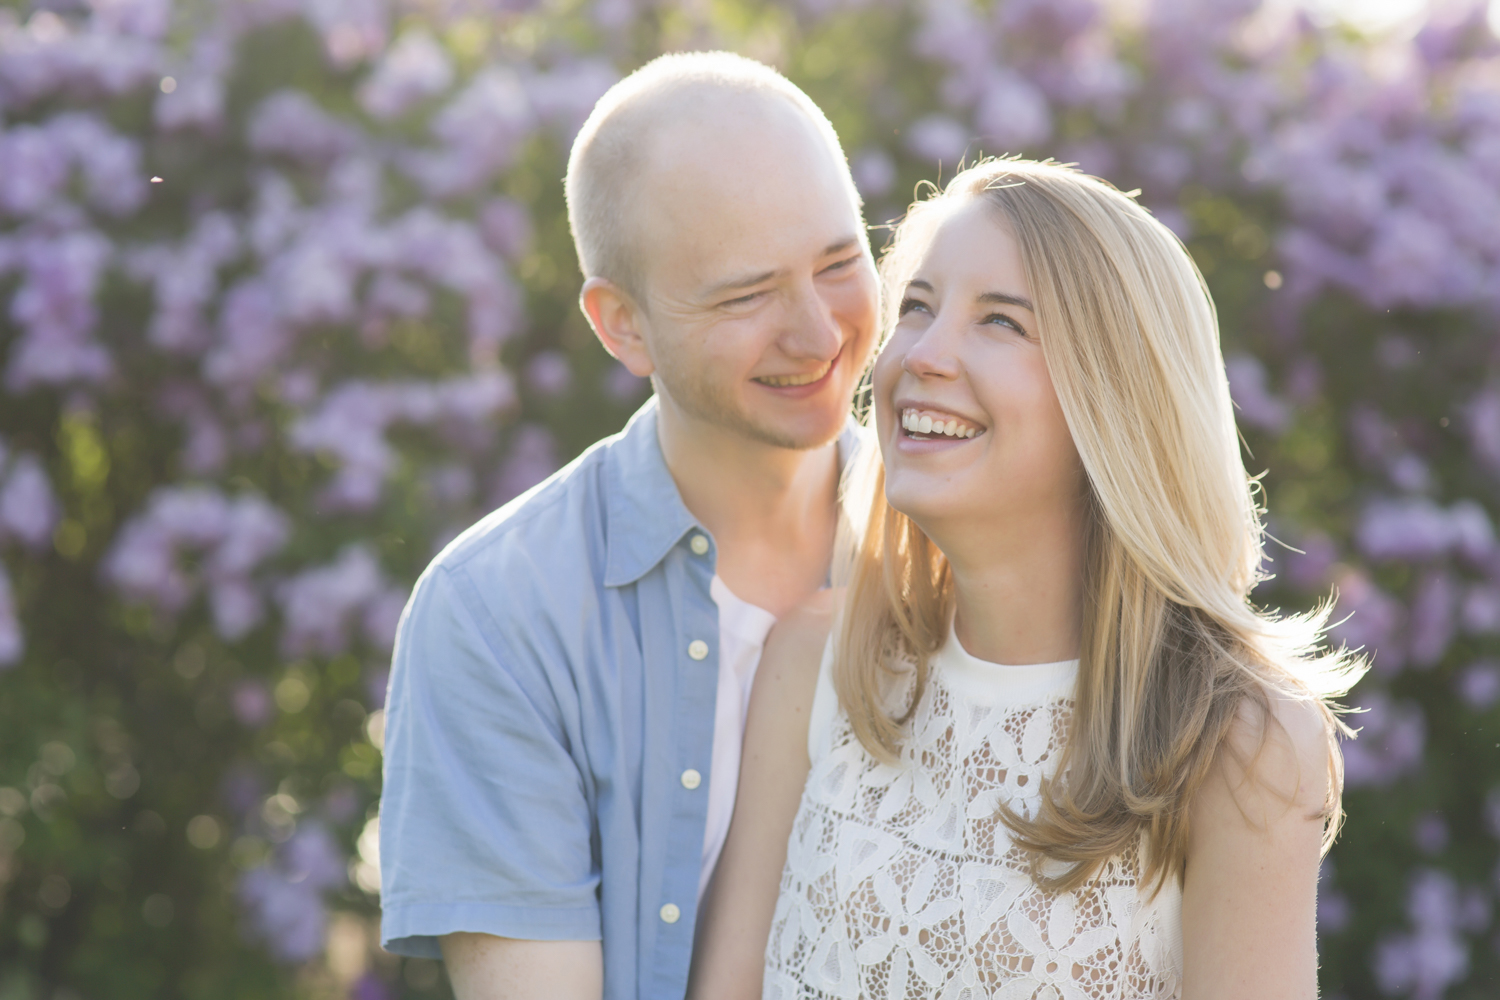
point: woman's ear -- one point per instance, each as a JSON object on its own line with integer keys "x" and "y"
{"x": 616, "y": 321}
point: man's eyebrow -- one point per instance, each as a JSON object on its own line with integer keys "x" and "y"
{"x": 736, "y": 284}
{"x": 751, "y": 280}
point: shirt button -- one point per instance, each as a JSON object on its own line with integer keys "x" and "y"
{"x": 670, "y": 913}
{"x": 691, "y": 779}
{"x": 697, "y": 649}
{"x": 699, "y": 545}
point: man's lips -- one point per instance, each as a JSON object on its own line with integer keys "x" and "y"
{"x": 801, "y": 383}
{"x": 791, "y": 381}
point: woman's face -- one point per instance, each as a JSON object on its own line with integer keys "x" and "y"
{"x": 970, "y": 428}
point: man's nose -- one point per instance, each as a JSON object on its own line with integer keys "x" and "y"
{"x": 813, "y": 329}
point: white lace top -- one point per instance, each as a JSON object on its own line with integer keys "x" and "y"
{"x": 902, "y": 883}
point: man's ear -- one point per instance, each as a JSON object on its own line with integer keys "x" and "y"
{"x": 616, "y": 321}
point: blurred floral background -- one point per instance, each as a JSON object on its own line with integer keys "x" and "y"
{"x": 288, "y": 301}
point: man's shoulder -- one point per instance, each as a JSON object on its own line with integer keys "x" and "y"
{"x": 556, "y": 523}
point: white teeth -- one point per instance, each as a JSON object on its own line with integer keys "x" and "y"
{"x": 782, "y": 381}
{"x": 923, "y": 423}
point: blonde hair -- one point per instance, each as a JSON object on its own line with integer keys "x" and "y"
{"x": 615, "y": 140}
{"x": 1171, "y": 647}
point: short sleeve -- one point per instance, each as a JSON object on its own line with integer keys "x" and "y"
{"x": 484, "y": 821}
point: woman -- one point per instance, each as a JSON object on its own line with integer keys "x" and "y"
{"x": 1052, "y": 750}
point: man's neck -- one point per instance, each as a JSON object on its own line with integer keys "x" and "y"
{"x": 772, "y": 511}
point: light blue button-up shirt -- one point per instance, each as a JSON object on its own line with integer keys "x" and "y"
{"x": 543, "y": 706}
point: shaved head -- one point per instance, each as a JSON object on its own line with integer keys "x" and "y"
{"x": 678, "y": 111}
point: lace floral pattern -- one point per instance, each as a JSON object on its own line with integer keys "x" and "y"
{"x": 901, "y": 882}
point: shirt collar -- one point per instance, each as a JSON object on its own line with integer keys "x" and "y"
{"x": 646, "y": 515}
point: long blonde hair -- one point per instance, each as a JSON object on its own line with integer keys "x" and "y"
{"x": 1171, "y": 647}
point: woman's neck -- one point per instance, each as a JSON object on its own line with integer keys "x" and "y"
{"x": 1019, "y": 589}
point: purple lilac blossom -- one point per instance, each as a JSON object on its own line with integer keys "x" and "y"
{"x": 874, "y": 173}
{"x": 549, "y": 374}
{"x": 47, "y": 55}
{"x": 12, "y": 641}
{"x": 565, "y": 95}
{"x": 252, "y": 336}
{"x": 351, "y": 422}
{"x": 1391, "y": 739}
{"x": 1012, "y": 114}
{"x": 370, "y": 987}
{"x": 533, "y": 457}
{"x": 28, "y": 509}
{"x": 231, "y": 537}
{"x": 1481, "y": 610}
{"x": 480, "y": 131}
{"x": 1416, "y": 529}
{"x": 251, "y": 704}
{"x": 1367, "y": 618}
{"x": 1425, "y": 962}
{"x": 1479, "y": 685}
{"x": 506, "y": 226}
{"x": 55, "y": 308}
{"x": 291, "y": 123}
{"x": 185, "y": 280}
{"x": 320, "y": 605}
{"x": 197, "y": 98}
{"x": 376, "y": 683}
{"x": 414, "y": 69}
{"x": 1333, "y": 906}
{"x": 1432, "y": 618}
{"x": 1482, "y": 420}
{"x": 1430, "y": 833}
{"x": 623, "y": 386}
{"x": 939, "y": 140}
{"x": 1254, "y": 402}
{"x": 284, "y": 898}
{"x": 353, "y": 30}
{"x": 1308, "y": 569}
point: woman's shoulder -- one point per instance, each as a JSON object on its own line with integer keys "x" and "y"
{"x": 1279, "y": 753}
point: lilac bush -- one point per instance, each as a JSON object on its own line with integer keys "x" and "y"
{"x": 289, "y": 302}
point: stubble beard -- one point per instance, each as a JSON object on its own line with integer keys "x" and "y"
{"x": 701, "y": 401}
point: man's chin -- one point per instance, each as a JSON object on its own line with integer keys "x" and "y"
{"x": 798, "y": 436}
{"x": 794, "y": 435}
{"x": 812, "y": 428}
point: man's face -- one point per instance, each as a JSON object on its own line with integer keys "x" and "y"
{"x": 760, "y": 295}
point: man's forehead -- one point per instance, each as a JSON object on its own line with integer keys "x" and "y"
{"x": 716, "y": 189}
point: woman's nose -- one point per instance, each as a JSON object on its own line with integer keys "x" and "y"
{"x": 931, "y": 355}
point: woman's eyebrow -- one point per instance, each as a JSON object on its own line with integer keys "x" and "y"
{"x": 1001, "y": 298}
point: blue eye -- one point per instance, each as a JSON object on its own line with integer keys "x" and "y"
{"x": 1000, "y": 319}
{"x": 908, "y": 304}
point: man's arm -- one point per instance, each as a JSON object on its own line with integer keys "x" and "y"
{"x": 485, "y": 967}
{"x": 485, "y": 822}
{"x": 729, "y": 953}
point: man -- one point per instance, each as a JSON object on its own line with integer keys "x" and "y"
{"x": 569, "y": 685}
